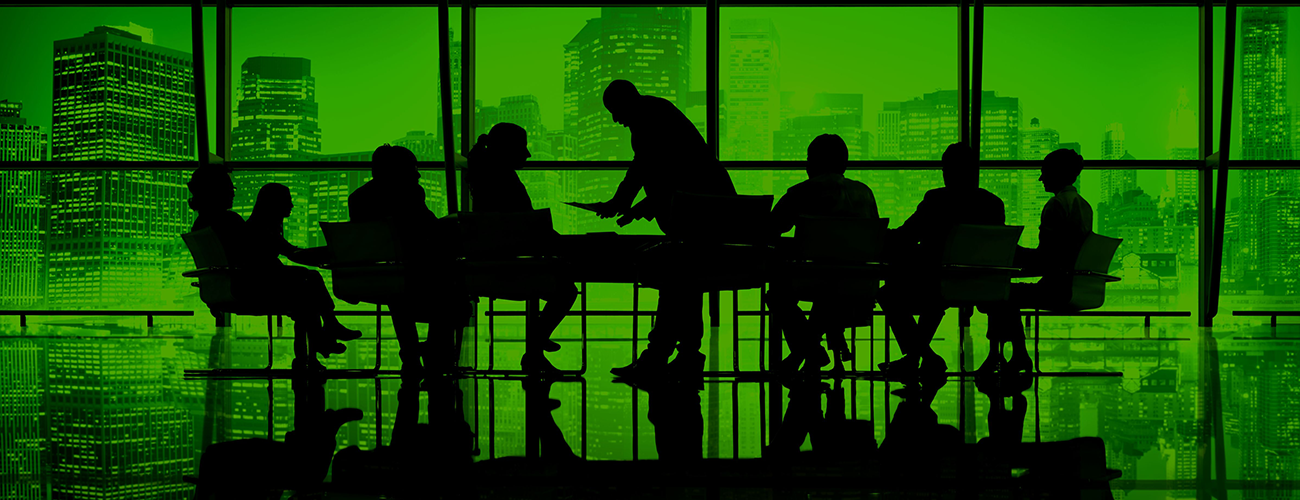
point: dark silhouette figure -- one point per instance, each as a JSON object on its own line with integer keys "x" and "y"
{"x": 825, "y": 193}
{"x": 669, "y": 156}
{"x": 394, "y": 195}
{"x": 445, "y": 444}
{"x": 251, "y": 468}
{"x": 265, "y": 245}
{"x": 538, "y": 408}
{"x": 496, "y": 187}
{"x": 298, "y": 290}
{"x": 915, "y": 443}
{"x": 834, "y": 436}
{"x": 1066, "y": 222}
{"x": 916, "y": 248}
{"x": 674, "y": 409}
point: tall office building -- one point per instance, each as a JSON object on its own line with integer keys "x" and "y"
{"x": 427, "y": 148}
{"x": 648, "y": 46}
{"x": 1184, "y": 130}
{"x": 1115, "y": 182}
{"x": 1112, "y": 142}
{"x": 1036, "y": 143}
{"x": 112, "y": 232}
{"x": 23, "y": 212}
{"x": 276, "y": 119}
{"x": 928, "y": 124}
{"x": 21, "y": 429}
{"x": 112, "y": 434}
{"x": 753, "y": 89}
{"x": 887, "y": 131}
{"x": 1279, "y": 241}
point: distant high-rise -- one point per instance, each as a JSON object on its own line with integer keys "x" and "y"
{"x": 1183, "y": 130}
{"x": 525, "y": 111}
{"x": 1036, "y": 143}
{"x": 887, "y": 132}
{"x": 112, "y": 433}
{"x": 23, "y": 211}
{"x": 648, "y": 46}
{"x": 753, "y": 89}
{"x": 22, "y": 428}
{"x": 1112, "y": 143}
{"x": 1279, "y": 242}
{"x": 112, "y": 232}
{"x": 928, "y": 124}
{"x": 563, "y": 144}
{"x": 1115, "y": 182}
{"x": 277, "y": 117}
{"x": 792, "y": 143}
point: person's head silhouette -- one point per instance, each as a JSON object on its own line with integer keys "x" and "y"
{"x": 211, "y": 189}
{"x": 394, "y": 163}
{"x": 273, "y": 200}
{"x": 960, "y": 167}
{"x": 1060, "y": 169}
{"x": 620, "y": 99}
{"x": 508, "y": 144}
{"x": 827, "y": 154}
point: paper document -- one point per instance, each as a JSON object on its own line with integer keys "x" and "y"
{"x": 585, "y": 206}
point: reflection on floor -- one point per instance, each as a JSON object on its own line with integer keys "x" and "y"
{"x": 104, "y": 410}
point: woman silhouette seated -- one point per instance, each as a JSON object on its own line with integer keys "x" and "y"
{"x": 265, "y": 244}
{"x": 256, "y": 244}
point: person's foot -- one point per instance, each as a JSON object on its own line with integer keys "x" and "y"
{"x": 537, "y": 363}
{"x": 905, "y": 367}
{"x": 687, "y": 365}
{"x": 329, "y": 348}
{"x": 547, "y": 345}
{"x": 646, "y": 364}
{"x": 934, "y": 365}
{"x": 1020, "y": 361}
{"x": 817, "y": 358}
{"x": 342, "y": 333}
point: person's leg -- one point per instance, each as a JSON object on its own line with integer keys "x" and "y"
{"x": 789, "y": 318}
{"x": 899, "y": 318}
{"x": 662, "y": 339}
{"x": 314, "y": 286}
{"x": 408, "y": 341}
{"x": 689, "y": 329}
{"x": 538, "y": 337}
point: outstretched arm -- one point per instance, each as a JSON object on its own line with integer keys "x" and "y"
{"x": 621, "y": 203}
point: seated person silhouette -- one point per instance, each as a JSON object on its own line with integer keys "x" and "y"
{"x": 1065, "y": 223}
{"x": 394, "y": 194}
{"x": 915, "y": 249}
{"x": 251, "y": 468}
{"x": 669, "y": 155}
{"x": 265, "y": 245}
{"x": 293, "y": 288}
{"x": 825, "y": 193}
{"x": 495, "y": 187}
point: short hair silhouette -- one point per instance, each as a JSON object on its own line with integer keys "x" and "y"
{"x": 960, "y": 166}
{"x": 830, "y": 151}
{"x": 271, "y": 196}
{"x": 619, "y": 92}
{"x": 393, "y": 161}
{"x": 508, "y": 134}
{"x": 1065, "y": 163}
{"x": 211, "y": 188}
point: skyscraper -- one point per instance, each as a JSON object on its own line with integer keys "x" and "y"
{"x": 1115, "y": 181}
{"x": 112, "y": 232}
{"x": 23, "y": 212}
{"x": 1036, "y": 143}
{"x": 21, "y": 428}
{"x": 1279, "y": 241}
{"x": 277, "y": 117}
{"x": 1183, "y": 130}
{"x": 753, "y": 89}
{"x": 1112, "y": 142}
{"x": 887, "y": 121}
{"x": 648, "y": 46}
{"x": 928, "y": 124}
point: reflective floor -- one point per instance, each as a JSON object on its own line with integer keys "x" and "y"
{"x": 103, "y": 408}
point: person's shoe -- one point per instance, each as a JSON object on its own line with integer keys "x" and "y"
{"x": 332, "y": 348}
{"x": 342, "y": 333}
{"x": 1020, "y": 362}
{"x": 687, "y": 366}
{"x": 934, "y": 366}
{"x": 992, "y": 364}
{"x": 537, "y": 363}
{"x": 547, "y": 345}
{"x": 646, "y": 364}
{"x": 817, "y": 358}
{"x": 904, "y": 368}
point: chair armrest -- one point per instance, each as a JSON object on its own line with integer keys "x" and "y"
{"x": 1104, "y": 277}
{"x": 208, "y": 270}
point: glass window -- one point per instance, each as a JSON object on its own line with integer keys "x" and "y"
{"x": 546, "y": 69}
{"x": 1261, "y": 246}
{"x": 318, "y": 82}
{"x": 81, "y": 122}
{"x": 883, "y": 79}
{"x": 1131, "y": 92}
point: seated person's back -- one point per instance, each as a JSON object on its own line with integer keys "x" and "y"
{"x": 1067, "y": 218}
{"x": 493, "y": 182}
{"x": 826, "y": 193}
{"x": 212, "y": 195}
{"x": 960, "y": 201}
{"x": 393, "y": 192}
{"x": 265, "y": 226}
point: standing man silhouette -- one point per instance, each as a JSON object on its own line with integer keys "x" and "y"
{"x": 669, "y": 156}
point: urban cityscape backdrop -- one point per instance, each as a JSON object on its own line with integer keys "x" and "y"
{"x": 332, "y": 84}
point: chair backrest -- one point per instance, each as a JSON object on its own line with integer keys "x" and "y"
{"x": 844, "y": 239}
{"x": 361, "y": 242}
{"x": 1096, "y": 253}
{"x": 976, "y": 245}
{"x": 505, "y": 234}
{"x": 206, "y": 249}
{"x": 721, "y": 219}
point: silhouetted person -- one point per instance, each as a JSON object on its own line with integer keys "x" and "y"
{"x": 538, "y": 407}
{"x": 674, "y": 409}
{"x": 916, "y": 248}
{"x": 826, "y": 193}
{"x": 1066, "y": 221}
{"x": 265, "y": 245}
{"x": 802, "y": 418}
{"x": 307, "y": 301}
{"x": 394, "y": 195}
{"x": 250, "y": 468}
{"x": 915, "y": 441}
{"x": 669, "y": 156}
{"x": 495, "y": 187}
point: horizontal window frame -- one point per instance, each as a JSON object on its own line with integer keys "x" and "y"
{"x": 602, "y": 3}
{"x": 739, "y": 165}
